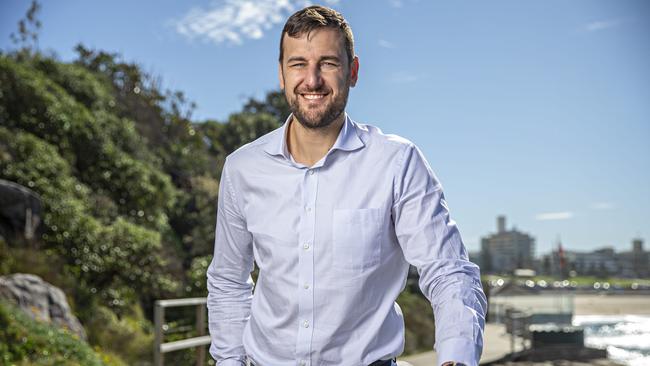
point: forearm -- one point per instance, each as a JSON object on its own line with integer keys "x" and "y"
{"x": 459, "y": 307}
{"x": 228, "y": 278}
{"x": 229, "y": 302}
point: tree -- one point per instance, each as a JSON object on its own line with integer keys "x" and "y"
{"x": 28, "y": 27}
{"x": 274, "y": 104}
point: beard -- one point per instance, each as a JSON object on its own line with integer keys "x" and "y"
{"x": 315, "y": 118}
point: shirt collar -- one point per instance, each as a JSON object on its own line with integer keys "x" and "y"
{"x": 347, "y": 140}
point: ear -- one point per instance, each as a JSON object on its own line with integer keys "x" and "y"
{"x": 354, "y": 71}
{"x": 280, "y": 76}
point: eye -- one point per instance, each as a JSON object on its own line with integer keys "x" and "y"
{"x": 330, "y": 65}
{"x": 297, "y": 65}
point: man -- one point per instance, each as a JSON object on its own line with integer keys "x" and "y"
{"x": 333, "y": 212}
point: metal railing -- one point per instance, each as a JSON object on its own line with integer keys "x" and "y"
{"x": 160, "y": 348}
{"x": 517, "y": 324}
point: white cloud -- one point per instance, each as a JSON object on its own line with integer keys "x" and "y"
{"x": 396, "y": 3}
{"x": 565, "y": 215}
{"x": 601, "y": 24}
{"x": 386, "y": 44}
{"x": 233, "y": 21}
{"x": 602, "y": 206}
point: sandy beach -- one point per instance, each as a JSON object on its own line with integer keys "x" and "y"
{"x": 576, "y": 303}
{"x": 600, "y": 304}
{"x": 497, "y": 342}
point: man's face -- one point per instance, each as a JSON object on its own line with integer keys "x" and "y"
{"x": 316, "y": 76}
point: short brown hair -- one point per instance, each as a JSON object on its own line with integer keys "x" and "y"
{"x": 315, "y": 17}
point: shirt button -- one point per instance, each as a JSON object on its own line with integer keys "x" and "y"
{"x": 305, "y": 246}
{"x": 308, "y": 209}
{"x": 306, "y": 286}
{"x": 311, "y": 172}
{"x": 303, "y": 363}
{"x": 305, "y": 324}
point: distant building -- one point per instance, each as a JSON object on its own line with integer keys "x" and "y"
{"x": 506, "y": 250}
{"x": 602, "y": 262}
{"x": 634, "y": 263}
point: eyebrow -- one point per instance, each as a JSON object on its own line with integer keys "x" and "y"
{"x": 323, "y": 58}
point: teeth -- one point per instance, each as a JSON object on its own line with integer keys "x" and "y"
{"x": 313, "y": 96}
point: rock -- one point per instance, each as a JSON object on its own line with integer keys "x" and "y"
{"x": 40, "y": 300}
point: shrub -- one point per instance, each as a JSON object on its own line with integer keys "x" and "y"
{"x": 418, "y": 319}
{"x": 25, "y": 340}
{"x": 129, "y": 336}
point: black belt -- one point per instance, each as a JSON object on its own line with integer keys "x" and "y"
{"x": 382, "y": 363}
{"x": 376, "y": 363}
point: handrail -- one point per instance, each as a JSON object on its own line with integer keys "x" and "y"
{"x": 517, "y": 323}
{"x": 160, "y": 348}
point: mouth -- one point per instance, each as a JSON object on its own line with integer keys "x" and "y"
{"x": 313, "y": 96}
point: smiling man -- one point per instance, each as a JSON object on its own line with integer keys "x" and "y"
{"x": 333, "y": 211}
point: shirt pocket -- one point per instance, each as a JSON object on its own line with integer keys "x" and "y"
{"x": 356, "y": 237}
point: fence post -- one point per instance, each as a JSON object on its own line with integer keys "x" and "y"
{"x": 159, "y": 316}
{"x": 200, "y": 329}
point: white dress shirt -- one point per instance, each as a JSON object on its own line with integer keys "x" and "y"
{"x": 333, "y": 243}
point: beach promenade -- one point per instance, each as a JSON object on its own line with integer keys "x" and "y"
{"x": 497, "y": 345}
{"x": 497, "y": 341}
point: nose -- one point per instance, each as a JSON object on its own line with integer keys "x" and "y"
{"x": 313, "y": 79}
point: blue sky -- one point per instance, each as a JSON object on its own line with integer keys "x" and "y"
{"x": 538, "y": 110}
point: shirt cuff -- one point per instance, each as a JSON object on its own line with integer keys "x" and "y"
{"x": 461, "y": 350}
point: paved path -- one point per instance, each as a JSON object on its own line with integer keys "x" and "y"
{"x": 496, "y": 345}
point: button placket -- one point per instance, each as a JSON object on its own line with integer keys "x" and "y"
{"x": 306, "y": 266}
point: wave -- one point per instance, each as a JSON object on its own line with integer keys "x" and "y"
{"x": 626, "y": 337}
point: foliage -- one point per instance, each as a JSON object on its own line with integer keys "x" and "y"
{"x": 130, "y": 335}
{"x": 25, "y": 340}
{"x": 27, "y": 35}
{"x": 128, "y": 185}
{"x": 106, "y": 260}
{"x": 240, "y": 129}
{"x": 43, "y": 263}
{"x": 274, "y": 104}
{"x": 55, "y": 116}
{"x": 197, "y": 272}
{"x": 418, "y": 319}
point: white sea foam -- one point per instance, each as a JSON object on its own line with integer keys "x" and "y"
{"x": 626, "y": 337}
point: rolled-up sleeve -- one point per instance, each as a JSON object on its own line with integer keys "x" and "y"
{"x": 431, "y": 242}
{"x": 228, "y": 278}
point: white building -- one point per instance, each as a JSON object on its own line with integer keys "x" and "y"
{"x": 506, "y": 250}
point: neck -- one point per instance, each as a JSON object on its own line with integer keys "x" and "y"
{"x": 309, "y": 145}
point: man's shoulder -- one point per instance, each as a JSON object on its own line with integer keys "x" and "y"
{"x": 250, "y": 152}
{"x": 374, "y": 137}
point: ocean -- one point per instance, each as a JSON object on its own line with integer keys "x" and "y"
{"x": 626, "y": 337}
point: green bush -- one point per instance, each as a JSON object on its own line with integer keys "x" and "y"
{"x": 85, "y": 87}
{"x": 197, "y": 275}
{"x": 107, "y": 260}
{"x": 142, "y": 191}
{"x": 418, "y": 319}
{"x": 34, "y": 103}
{"x": 130, "y": 335}
{"x": 24, "y": 340}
